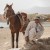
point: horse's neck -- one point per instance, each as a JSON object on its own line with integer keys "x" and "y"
{"x": 10, "y": 12}
{"x": 13, "y": 12}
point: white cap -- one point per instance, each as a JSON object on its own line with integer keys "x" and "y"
{"x": 37, "y": 18}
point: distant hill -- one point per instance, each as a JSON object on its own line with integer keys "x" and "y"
{"x": 2, "y": 19}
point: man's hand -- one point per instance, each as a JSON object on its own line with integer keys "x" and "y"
{"x": 27, "y": 39}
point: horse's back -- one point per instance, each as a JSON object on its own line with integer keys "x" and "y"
{"x": 17, "y": 22}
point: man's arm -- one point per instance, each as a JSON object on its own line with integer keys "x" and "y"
{"x": 27, "y": 32}
{"x": 42, "y": 28}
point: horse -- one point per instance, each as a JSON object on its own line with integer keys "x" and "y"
{"x": 15, "y": 24}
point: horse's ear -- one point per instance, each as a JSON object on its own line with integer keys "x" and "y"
{"x": 6, "y": 6}
{"x": 11, "y": 4}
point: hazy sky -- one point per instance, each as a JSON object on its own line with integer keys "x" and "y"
{"x": 23, "y": 4}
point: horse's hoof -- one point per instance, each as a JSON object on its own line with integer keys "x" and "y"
{"x": 12, "y": 46}
{"x": 16, "y": 46}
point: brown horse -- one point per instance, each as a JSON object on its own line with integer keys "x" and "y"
{"x": 15, "y": 23}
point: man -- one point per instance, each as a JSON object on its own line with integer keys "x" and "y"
{"x": 34, "y": 30}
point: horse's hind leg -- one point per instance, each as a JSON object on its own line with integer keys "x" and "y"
{"x": 12, "y": 34}
{"x": 17, "y": 35}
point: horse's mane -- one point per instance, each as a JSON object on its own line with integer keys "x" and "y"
{"x": 17, "y": 20}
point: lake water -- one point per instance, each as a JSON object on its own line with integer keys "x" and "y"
{"x": 4, "y": 24}
{"x": 46, "y": 24}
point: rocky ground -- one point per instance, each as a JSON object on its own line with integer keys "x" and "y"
{"x": 5, "y": 39}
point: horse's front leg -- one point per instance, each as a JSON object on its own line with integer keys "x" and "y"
{"x": 17, "y": 35}
{"x": 7, "y": 21}
{"x": 12, "y": 35}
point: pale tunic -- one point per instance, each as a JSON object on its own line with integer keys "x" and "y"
{"x": 31, "y": 31}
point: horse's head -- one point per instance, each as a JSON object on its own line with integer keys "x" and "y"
{"x": 8, "y": 11}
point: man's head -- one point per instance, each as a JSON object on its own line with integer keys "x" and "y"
{"x": 37, "y": 20}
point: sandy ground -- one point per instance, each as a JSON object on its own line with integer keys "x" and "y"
{"x": 5, "y": 38}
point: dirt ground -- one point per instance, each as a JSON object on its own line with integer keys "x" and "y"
{"x": 5, "y": 38}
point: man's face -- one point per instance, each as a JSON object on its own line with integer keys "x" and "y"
{"x": 37, "y": 21}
